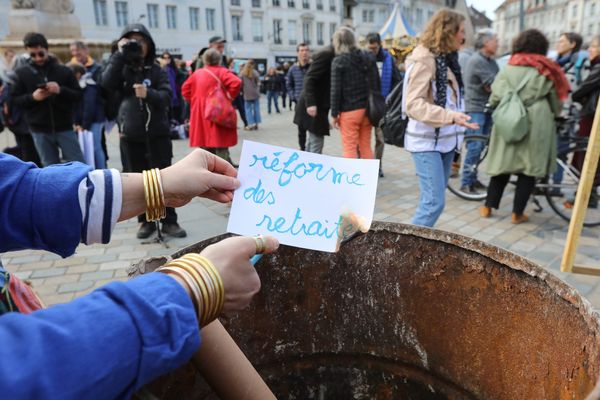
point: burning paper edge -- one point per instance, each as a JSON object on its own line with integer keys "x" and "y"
{"x": 349, "y": 224}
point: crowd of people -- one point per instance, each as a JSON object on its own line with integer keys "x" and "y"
{"x": 448, "y": 94}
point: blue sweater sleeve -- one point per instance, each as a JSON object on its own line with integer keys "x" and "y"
{"x": 105, "y": 345}
{"x": 39, "y": 207}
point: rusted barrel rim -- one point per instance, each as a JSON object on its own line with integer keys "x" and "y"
{"x": 502, "y": 256}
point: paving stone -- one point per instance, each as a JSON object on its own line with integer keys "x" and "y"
{"x": 66, "y": 262}
{"x": 94, "y": 276}
{"x": 102, "y": 258}
{"x": 45, "y": 273}
{"x": 59, "y": 298}
{"x": 57, "y": 280}
{"x": 86, "y": 252}
{"x": 75, "y": 286}
{"x": 24, "y": 259}
{"x": 115, "y": 265}
{"x": 23, "y": 274}
{"x": 78, "y": 269}
{"x": 132, "y": 255}
{"x": 33, "y": 266}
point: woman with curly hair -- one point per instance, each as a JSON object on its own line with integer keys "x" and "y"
{"x": 541, "y": 85}
{"x": 434, "y": 105}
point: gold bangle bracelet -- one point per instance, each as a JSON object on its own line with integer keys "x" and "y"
{"x": 163, "y": 205}
{"x": 154, "y": 206}
{"x": 146, "y": 195}
{"x": 208, "y": 294}
{"x": 215, "y": 278}
{"x": 189, "y": 280}
{"x": 159, "y": 199}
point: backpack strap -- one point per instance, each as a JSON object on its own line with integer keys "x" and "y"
{"x": 220, "y": 83}
{"x": 524, "y": 82}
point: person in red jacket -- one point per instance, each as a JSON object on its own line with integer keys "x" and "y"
{"x": 204, "y": 133}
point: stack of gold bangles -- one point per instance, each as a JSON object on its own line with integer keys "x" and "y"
{"x": 204, "y": 282}
{"x": 155, "y": 198}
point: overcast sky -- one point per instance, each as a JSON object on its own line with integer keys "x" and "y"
{"x": 486, "y": 5}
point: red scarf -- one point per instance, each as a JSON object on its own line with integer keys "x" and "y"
{"x": 546, "y": 67}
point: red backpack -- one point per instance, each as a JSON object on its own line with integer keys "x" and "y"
{"x": 218, "y": 108}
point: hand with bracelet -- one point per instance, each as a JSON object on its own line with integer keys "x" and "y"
{"x": 111, "y": 342}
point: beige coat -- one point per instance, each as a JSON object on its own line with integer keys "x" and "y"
{"x": 419, "y": 95}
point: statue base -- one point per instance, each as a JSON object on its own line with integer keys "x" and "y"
{"x": 52, "y": 25}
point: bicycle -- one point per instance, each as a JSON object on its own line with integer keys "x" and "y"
{"x": 559, "y": 196}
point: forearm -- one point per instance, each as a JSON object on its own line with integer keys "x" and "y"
{"x": 108, "y": 344}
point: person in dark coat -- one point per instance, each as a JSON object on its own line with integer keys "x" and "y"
{"x": 13, "y": 118}
{"x": 587, "y": 95}
{"x": 145, "y": 96}
{"x": 46, "y": 92}
{"x": 313, "y": 105}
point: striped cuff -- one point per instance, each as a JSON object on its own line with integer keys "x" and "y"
{"x": 100, "y": 200}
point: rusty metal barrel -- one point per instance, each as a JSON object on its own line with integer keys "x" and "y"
{"x": 404, "y": 312}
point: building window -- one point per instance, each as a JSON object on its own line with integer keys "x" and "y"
{"x": 291, "y": 3}
{"x": 419, "y": 17}
{"x": 382, "y": 16}
{"x": 319, "y": 4}
{"x": 256, "y": 3}
{"x": 122, "y": 13}
{"x": 171, "y": 17}
{"x": 332, "y": 5}
{"x": 574, "y": 11}
{"x": 276, "y": 3}
{"x": 277, "y": 31}
{"x": 368, "y": 16}
{"x": 306, "y": 4}
{"x": 590, "y": 29}
{"x": 210, "y": 19}
{"x": 235, "y": 2}
{"x": 152, "y": 10}
{"x": 236, "y": 27}
{"x": 100, "y": 12}
{"x": 593, "y": 8}
{"x": 332, "y": 29}
{"x": 320, "y": 33}
{"x": 292, "y": 37}
{"x": 194, "y": 18}
{"x": 306, "y": 28}
{"x": 257, "y": 29}
{"x": 429, "y": 15}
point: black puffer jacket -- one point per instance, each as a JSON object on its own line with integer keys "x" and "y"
{"x": 55, "y": 113}
{"x": 119, "y": 77}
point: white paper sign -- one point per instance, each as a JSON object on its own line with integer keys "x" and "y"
{"x": 303, "y": 199}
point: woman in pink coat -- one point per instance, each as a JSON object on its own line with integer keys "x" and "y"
{"x": 203, "y": 133}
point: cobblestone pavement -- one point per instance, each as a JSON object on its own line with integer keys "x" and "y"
{"x": 541, "y": 240}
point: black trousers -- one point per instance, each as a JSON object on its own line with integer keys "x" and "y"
{"x": 27, "y": 148}
{"x": 136, "y": 159}
{"x": 302, "y": 138}
{"x": 525, "y": 185}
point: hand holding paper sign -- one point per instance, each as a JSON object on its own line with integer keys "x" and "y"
{"x": 303, "y": 199}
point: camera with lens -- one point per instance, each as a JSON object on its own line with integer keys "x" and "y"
{"x": 132, "y": 51}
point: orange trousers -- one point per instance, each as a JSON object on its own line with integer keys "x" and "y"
{"x": 356, "y": 130}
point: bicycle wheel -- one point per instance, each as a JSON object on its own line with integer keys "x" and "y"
{"x": 561, "y": 197}
{"x": 478, "y": 192}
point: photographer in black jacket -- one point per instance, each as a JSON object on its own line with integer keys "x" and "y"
{"x": 144, "y": 93}
{"x": 46, "y": 92}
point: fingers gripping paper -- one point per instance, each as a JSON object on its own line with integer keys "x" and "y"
{"x": 303, "y": 199}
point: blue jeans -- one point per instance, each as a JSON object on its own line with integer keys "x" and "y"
{"x": 47, "y": 145}
{"x": 474, "y": 148}
{"x": 252, "y": 111}
{"x": 99, "y": 156}
{"x": 433, "y": 170}
{"x": 272, "y": 96}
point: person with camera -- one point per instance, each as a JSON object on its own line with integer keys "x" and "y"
{"x": 144, "y": 94}
{"x": 47, "y": 92}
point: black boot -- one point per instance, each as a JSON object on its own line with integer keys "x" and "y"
{"x": 173, "y": 229}
{"x": 146, "y": 229}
